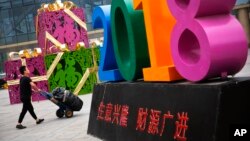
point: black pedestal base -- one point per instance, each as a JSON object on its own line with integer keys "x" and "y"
{"x": 144, "y": 111}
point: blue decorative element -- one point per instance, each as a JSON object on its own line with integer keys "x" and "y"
{"x": 108, "y": 70}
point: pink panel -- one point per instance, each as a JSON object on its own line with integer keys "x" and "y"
{"x": 182, "y": 9}
{"x": 200, "y": 52}
{"x": 14, "y": 92}
{"x": 14, "y": 95}
{"x": 12, "y": 69}
{"x": 36, "y": 66}
{"x": 62, "y": 27}
{"x": 207, "y": 41}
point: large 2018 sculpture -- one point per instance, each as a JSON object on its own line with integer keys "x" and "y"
{"x": 129, "y": 39}
{"x": 202, "y": 42}
{"x": 108, "y": 69}
{"x": 195, "y": 40}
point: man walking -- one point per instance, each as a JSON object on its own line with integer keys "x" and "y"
{"x": 26, "y": 86}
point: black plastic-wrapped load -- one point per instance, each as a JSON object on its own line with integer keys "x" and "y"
{"x": 68, "y": 98}
{"x": 73, "y": 101}
{"x": 58, "y": 93}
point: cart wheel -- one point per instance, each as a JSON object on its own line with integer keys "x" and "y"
{"x": 69, "y": 113}
{"x": 59, "y": 113}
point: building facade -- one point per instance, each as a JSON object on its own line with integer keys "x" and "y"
{"x": 17, "y": 22}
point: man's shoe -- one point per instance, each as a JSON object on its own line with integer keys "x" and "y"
{"x": 20, "y": 126}
{"x": 39, "y": 121}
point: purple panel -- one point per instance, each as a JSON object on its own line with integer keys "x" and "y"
{"x": 203, "y": 49}
{"x": 36, "y": 66}
{"x": 14, "y": 94}
{"x": 184, "y": 9}
{"x": 62, "y": 27}
{"x": 12, "y": 69}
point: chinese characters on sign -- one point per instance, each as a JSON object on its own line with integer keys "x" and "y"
{"x": 119, "y": 115}
{"x": 155, "y": 127}
{"x": 151, "y": 121}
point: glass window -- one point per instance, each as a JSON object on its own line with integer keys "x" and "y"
{"x": 76, "y": 2}
{"x": 17, "y": 3}
{"x": 22, "y": 38}
{"x": 28, "y": 2}
{"x": 21, "y": 27}
{"x": 2, "y": 59}
{"x": 2, "y": 41}
{"x": 1, "y": 30}
{"x": 5, "y": 5}
{"x": 97, "y": 2}
{"x": 16, "y": 12}
{"x": 32, "y": 36}
{"x": 6, "y": 23}
{"x": 11, "y": 40}
{"x": 88, "y": 12}
{"x": 30, "y": 23}
{"x": 20, "y": 18}
{"x": 5, "y": 0}
{"x": 5, "y": 14}
{"x": 8, "y": 27}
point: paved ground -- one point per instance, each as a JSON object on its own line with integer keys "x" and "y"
{"x": 53, "y": 129}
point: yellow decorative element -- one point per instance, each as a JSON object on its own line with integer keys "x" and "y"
{"x": 52, "y": 39}
{"x": 96, "y": 42}
{"x": 87, "y": 73}
{"x": 5, "y": 86}
{"x": 57, "y": 44}
{"x": 85, "y": 77}
{"x": 37, "y": 52}
{"x": 53, "y": 7}
{"x": 82, "y": 81}
{"x": 97, "y": 77}
{"x": 53, "y": 65}
{"x": 42, "y": 9}
{"x": 94, "y": 57}
{"x": 69, "y": 5}
{"x": 37, "y": 26}
{"x": 74, "y": 17}
{"x": 64, "y": 47}
{"x": 39, "y": 78}
{"x": 13, "y": 82}
{"x": 34, "y": 79}
{"x": 23, "y": 62}
{"x": 52, "y": 68}
{"x": 24, "y": 54}
{"x": 13, "y": 55}
{"x": 46, "y": 7}
{"x": 93, "y": 44}
{"x": 57, "y": 5}
{"x": 80, "y": 45}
